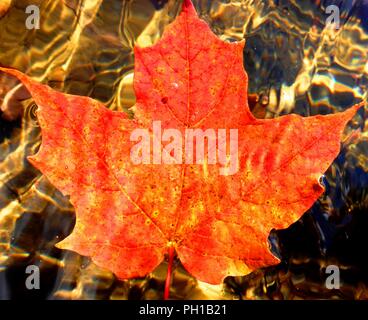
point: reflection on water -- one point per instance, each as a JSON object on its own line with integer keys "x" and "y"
{"x": 295, "y": 64}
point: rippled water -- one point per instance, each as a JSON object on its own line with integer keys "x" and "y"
{"x": 295, "y": 64}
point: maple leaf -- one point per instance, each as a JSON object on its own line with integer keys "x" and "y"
{"x": 129, "y": 215}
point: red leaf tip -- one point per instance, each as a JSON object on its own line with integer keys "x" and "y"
{"x": 188, "y": 6}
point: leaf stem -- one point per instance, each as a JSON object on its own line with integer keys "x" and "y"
{"x": 169, "y": 272}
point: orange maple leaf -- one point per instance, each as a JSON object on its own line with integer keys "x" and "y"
{"x": 133, "y": 207}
